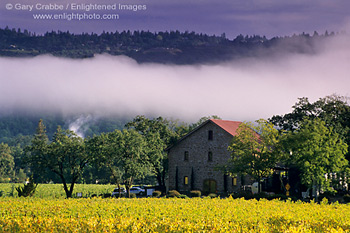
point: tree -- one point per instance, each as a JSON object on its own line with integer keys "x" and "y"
{"x": 201, "y": 121}
{"x": 333, "y": 110}
{"x": 104, "y": 149}
{"x": 255, "y": 150}
{"x": 316, "y": 150}
{"x": 65, "y": 156}
{"x": 131, "y": 148}
{"x": 7, "y": 163}
{"x": 158, "y": 133}
{"x": 37, "y": 151}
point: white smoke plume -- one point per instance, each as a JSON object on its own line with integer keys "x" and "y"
{"x": 80, "y": 124}
{"x": 238, "y": 90}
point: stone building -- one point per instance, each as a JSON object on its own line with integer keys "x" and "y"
{"x": 194, "y": 158}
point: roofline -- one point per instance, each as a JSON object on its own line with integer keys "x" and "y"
{"x": 213, "y": 120}
{"x": 188, "y": 134}
{"x": 195, "y": 129}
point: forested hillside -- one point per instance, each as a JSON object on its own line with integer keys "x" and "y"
{"x": 18, "y": 128}
{"x": 172, "y": 47}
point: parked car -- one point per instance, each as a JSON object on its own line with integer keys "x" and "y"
{"x": 137, "y": 190}
{"x": 116, "y": 192}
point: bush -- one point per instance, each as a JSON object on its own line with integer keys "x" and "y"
{"x": 183, "y": 196}
{"x": 212, "y": 195}
{"x": 132, "y": 195}
{"x": 27, "y": 190}
{"x": 173, "y": 193}
{"x": 328, "y": 194}
{"x": 261, "y": 195}
{"x": 278, "y": 196}
{"x": 196, "y": 193}
{"x": 346, "y": 198}
{"x": 156, "y": 193}
{"x": 245, "y": 195}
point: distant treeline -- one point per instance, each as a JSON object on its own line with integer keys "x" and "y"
{"x": 17, "y": 129}
{"x": 172, "y": 47}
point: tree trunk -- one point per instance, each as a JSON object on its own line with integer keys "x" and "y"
{"x": 128, "y": 185}
{"x": 120, "y": 193}
{"x": 68, "y": 193}
{"x": 161, "y": 182}
{"x": 259, "y": 184}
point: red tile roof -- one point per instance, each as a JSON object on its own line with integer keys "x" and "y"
{"x": 229, "y": 126}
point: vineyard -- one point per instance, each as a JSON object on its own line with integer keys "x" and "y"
{"x": 170, "y": 215}
{"x": 56, "y": 190}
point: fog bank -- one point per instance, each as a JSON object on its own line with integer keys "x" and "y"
{"x": 239, "y": 90}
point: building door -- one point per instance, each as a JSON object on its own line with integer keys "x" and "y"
{"x": 209, "y": 186}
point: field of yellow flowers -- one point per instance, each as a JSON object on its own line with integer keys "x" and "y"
{"x": 170, "y": 215}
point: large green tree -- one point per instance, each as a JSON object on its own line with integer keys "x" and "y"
{"x": 334, "y": 110}
{"x": 104, "y": 149}
{"x": 125, "y": 154}
{"x": 131, "y": 156}
{"x": 159, "y": 133}
{"x": 7, "y": 163}
{"x": 255, "y": 150}
{"x": 65, "y": 156}
{"x": 316, "y": 150}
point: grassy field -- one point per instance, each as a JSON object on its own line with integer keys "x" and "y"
{"x": 56, "y": 190}
{"x": 170, "y": 215}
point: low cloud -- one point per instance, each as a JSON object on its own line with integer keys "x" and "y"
{"x": 237, "y": 90}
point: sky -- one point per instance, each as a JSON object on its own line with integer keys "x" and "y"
{"x": 232, "y": 17}
{"x": 238, "y": 90}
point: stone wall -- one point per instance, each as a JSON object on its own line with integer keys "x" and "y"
{"x": 197, "y": 167}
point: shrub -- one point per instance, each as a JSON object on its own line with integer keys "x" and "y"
{"x": 212, "y": 195}
{"x": 173, "y": 193}
{"x": 196, "y": 193}
{"x": 183, "y": 196}
{"x": 156, "y": 193}
{"x": 27, "y": 190}
{"x": 261, "y": 195}
{"x": 278, "y": 196}
{"x": 245, "y": 195}
{"x": 346, "y": 198}
{"x": 328, "y": 194}
{"x": 132, "y": 195}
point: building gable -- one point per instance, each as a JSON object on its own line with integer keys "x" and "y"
{"x": 229, "y": 127}
{"x": 194, "y": 158}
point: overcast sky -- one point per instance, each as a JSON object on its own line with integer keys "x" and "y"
{"x": 233, "y": 17}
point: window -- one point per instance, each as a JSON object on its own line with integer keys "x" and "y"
{"x": 186, "y": 180}
{"x": 210, "y": 135}
{"x": 234, "y": 181}
{"x": 210, "y": 156}
{"x": 186, "y": 156}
